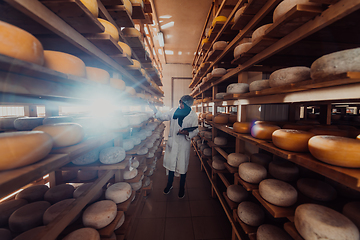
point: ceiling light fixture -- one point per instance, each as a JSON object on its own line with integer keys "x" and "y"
{"x": 160, "y": 36}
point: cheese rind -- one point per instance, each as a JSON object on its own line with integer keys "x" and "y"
{"x": 117, "y": 83}
{"x": 271, "y": 232}
{"x": 118, "y": 192}
{"x": 218, "y": 164}
{"x": 33, "y": 193}
{"x": 242, "y": 127}
{"x": 292, "y": 140}
{"x": 7, "y": 208}
{"x": 252, "y": 172}
{"x": 250, "y": 213}
{"x": 263, "y": 131}
{"x": 130, "y": 174}
{"x": 316, "y": 189}
{"x": 83, "y": 233}
{"x": 92, "y": 5}
{"x": 131, "y": 32}
{"x": 87, "y": 158}
{"x": 99, "y": 214}
{"x": 128, "y": 6}
{"x": 235, "y": 159}
{"x": 221, "y": 119}
{"x": 221, "y": 141}
{"x": 54, "y": 210}
{"x": 64, "y": 63}
{"x": 289, "y": 75}
{"x": 58, "y": 193}
{"x": 219, "y": 45}
{"x": 237, "y": 88}
{"x": 97, "y": 75}
{"x": 110, "y": 29}
{"x": 27, "y": 123}
{"x": 218, "y": 71}
{"x": 287, "y": 5}
{"x": 236, "y": 193}
{"x": 242, "y": 48}
{"x": 259, "y": 85}
{"x": 112, "y": 155}
{"x": 260, "y": 32}
{"x": 126, "y": 49}
{"x": 278, "y": 192}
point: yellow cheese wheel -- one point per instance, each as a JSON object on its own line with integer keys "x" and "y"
{"x": 205, "y": 40}
{"x": 263, "y": 131}
{"x": 242, "y": 127}
{"x": 110, "y": 29}
{"x": 97, "y": 75}
{"x": 19, "y": 149}
{"x": 131, "y": 32}
{"x": 19, "y": 44}
{"x": 63, "y": 134}
{"x": 65, "y": 63}
{"x": 209, "y": 117}
{"x": 221, "y": 119}
{"x": 126, "y": 49}
{"x": 219, "y": 19}
{"x": 117, "y": 83}
{"x": 339, "y": 151}
{"x": 232, "y": 118}
{"x": 130, "y": 90}
{"x": 92, "y": 5}
{"x": 292, "y": 140}
{"x": 136, "y": 64}
{"x": 128, "y": 6}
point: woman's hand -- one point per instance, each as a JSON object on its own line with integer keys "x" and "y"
{"x": 183, "y": 132}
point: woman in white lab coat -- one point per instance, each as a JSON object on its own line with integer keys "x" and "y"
{"x": 177, "y": 152}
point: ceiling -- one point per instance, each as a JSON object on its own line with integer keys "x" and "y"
{"x": 181, "y": 22}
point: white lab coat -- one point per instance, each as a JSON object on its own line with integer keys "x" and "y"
{"x": 177, "y": 152}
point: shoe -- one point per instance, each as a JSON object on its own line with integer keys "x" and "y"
{"x": 181, "y": 193}
{"x": 167, "y": 190}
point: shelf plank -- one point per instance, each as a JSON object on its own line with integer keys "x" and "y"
{"x": 261, "y": 44}
{"x": 270, "y": 147}
{"x": 254, "y": 6}
{"x": 125, "y": 205}
{"x": 213, "y": 55}
{"x": 247, "y": 228}
{"x": 96, "y": 166}
{"x": 214, "y": 78}
{"x": 248, "y": 186}
{"x": 105, "y": 43}
{"x": 122, "y": 59}
{"x": 230, "y": 168}
{"x": 138, "y": 11}
{"x": 120, "y": 15}
{"x": 232, "y": 205}
{"x": 242, "y": 22}
{"x": 275, "y": 211}
{"x": 107, "y": 231}
{"x": 224, "y": 179}
{"x": 242, "y": 58}
{"x": 291, "y": 230}
{"x": 74, "y": 13}
{"x": 134, "y": 42}
{"x": 112, "y": 2}
{"x": 142, "y": 54}
{"x": 222, "y": 152}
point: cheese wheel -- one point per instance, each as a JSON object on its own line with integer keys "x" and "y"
{"x": 235, "y": 159}
{"x": 110, "y": 29}
{"x": 242, "y": 48}
{"x": 27, "y": 123}
{"x": 136, "y": 186}
{"x": 7, "y": 122}
{"x": 117, "y": 83}
{"x": 112, "y": 155}
{"x": 289, "y": 75}
{"x": 63, "y": 134}
{"x": 58, "y": 193}
{"x": 219, "y": 19}
{"x": 237, "y": 88}
{"x": 313, "y": 221}
{"x": 131, "y": 32}
{"x": 128, "y": 144}
{"x": 83, "y": 233}
{"x": 97, "y": 75}
{"x": 136, "y": 65}
{"x": 218, "y": 164}
{"x": 207, "y": 152}
{"x": 142, "y": 151}
{"x": 261, "y": 158}
{"x": 208, "y": 135}
{"x": 28, "y": 216}
{"x": 284, "y": 170}
{"x": 5, "y": 234}
{"x": 86, "y": 175}
{"x": 287, "y": 5}
{"x": 64, "y": 63}
{"x": 218, "y": 71}
{"x": 352, "y": 211}
{"x": 329, "y": 131}
{"x": 146, "y": 182}
{"x": 130, "y": 174}
{"x": 119, "y": 192}
{"x": 19, "y": 149}
{"x": 128, "y": 6}
{"x": 99, "y": 214}
{"x": 260, "y": 32}
{"x": 92, "y": 6}
{"x": 120, "y": 222}
{"x": 83, "y": 188}
{"x": 219, "y": 45}
{"x": 130, "y": 90}
{"x": 339, "y": 151}
{"x": 33, "y": 193}
{"x": 263, "y": 131}
{"x": 315, "y": 189}
{"x": 259, "y": 85}
{"x": 30, "y": 234}
{"x": 19, "y": 44}
{"x": 126, "y": 49}
{"x": 278, "y": 192}
{"x": 271, "y": 232}
{"x": 236, "y": 193}
{"x": 220, "y": 95}
{"x": 252, "y": 172}
{"x": 221, "y": 119}
{"x": 292, "y": 140}
{"x": 232, "y": 118}
{"x": 54, "y": 210}
{"x": 242, "y": 127}
{"x": 87, "y": 158}
{"x": 209, "y": 117}
{"x": 239, "y": 13}
{"x": 57, "y": 119}
{"x": 7, "y": 208}
{"x": 250, "y": 213}
{"x": 221, "y": 141}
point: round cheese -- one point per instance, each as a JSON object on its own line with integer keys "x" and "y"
{"x": 329, "y": 131}
{"x": 5, "y": 234}
{"x": 19, "y": 44}
{"x": 27, "y": 123}
{"x": 236, "y": 193}
{"x": 130, "y": 174}
{"x": 209, "y": 117}
{"x": 232, "y": 118}
{"x": 263, "y": 131}
{"x": 250, "y": 213}
{"x": 7, "y": 208}
{"x": 126, "y": 49}
{"x": 142, "y": 151}
{"x": 54, "y": 210}
{"x": 289, "y": 75}
{"x": 30, "y": 234}
{"x": 208, "y": 76}
{"x": 242, "y": 48}
{"x": 278, "y": 192}
{"x": 221, "y": 119}
{"x": 28, "y": 216}
{"x": 136, "y": 186}
{"x": 259, "y": 85}
{"x": 220, "y": 95}
{"x": 260, "y": 32}
{"x": 57, "y": 119}
{"x": 97, "y": 75}
{"x": 86, "y": 175}
{"x": 33, "y": 193}
{"x": 287, "y": 5}
{"x": 219, "y": 19}
{"x": 219, "y": 45}
{"x": 136, "y": 65}
{"x": 237, "y": 88}
{"x": 235, "y": 159}
{"x": 99, "y": 214}
{"x": 83, "y": 188}
{"x": 130, "y": 90}
{"x": 313, "y": 221}
{"x": 218, "y": 164}
{"x": 128, "y": 6}
{"x": 271, "y": 232}
{"x": 242, "y": 127}
{"x": 92, "y": 5}
{"x": 112, "y": 155}
{"x": 7, "y": 122}
{"x": 207, "y": 152}
{"x": 117, "y": 83}
{"x": 146, "y": 182}
{"x": 339, "y": 151}
{"x": 252, "y": 172}
{"x": 64, "y": 63}
{"x": 292, "y": 140}
{"x": 121, "y": 222}
{"x": 284, "y": 170}
{"x": 131, "y": 32}
{"x": 63, "y": 134}
{"x": 58, "y": 193}
{"x": 87, "y": 158}
{"x": 352, "y": 211}
{"x": 19, "y": 149}
{"x": 128, "y": 144}
{"x": 110, "y": 29}
{"x": 208, "y": 135}
{"x": 118, "y": 192}
{"x": 218, "y": 71}
{"x": 315, "y": 189}
{"x": 239, "y": 13}
{"x": 261, "y": 158}
{"x": 83, "y": 233}
{"x": 221, "y": 141}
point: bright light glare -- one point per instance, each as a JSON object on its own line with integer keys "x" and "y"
{"x": 167, "y": 25}
{"x": 165, "y": 16}
{"x": 169, "y": 52}
{"x": 179, "y": 52}
{"x": 102, "y": 106}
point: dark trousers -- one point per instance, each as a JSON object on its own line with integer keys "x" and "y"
{"x": 171, "y": 179}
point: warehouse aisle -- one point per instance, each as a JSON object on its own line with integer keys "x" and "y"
{"x": 166, "y": 217}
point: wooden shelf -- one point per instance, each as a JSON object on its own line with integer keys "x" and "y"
{"x": 248, "y": 186}
{"x": 134, "y": 42}
{"x": 230, "y": 168}
{"x": 247, "y": 228}
{"x": 125, "y": 205}
{"x": 214, "y": 78}
{"x": 107, "y": 231}
{"x": 213, "y": 55}
{"x": 120, "y": 15}
{"x": 138, "y": 11}
{"x": 105, "y": 43}
{"x": 291, "y": 230}
{"x": 215, "y": 171}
